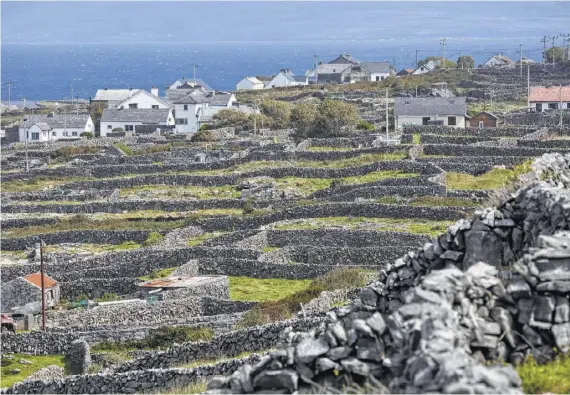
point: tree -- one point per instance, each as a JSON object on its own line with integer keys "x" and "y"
{"x": 304, "y": 118}
{"x": 555, "y": 55}
{"x": 278, "y": 111}
{"x": 465, "y": 62}
{"x": 336, "y": 118}
{"x": 233, "y": 118}
{"x": 203, "y": 135}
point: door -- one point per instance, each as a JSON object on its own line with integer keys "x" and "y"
{"x": 481, "y": 125}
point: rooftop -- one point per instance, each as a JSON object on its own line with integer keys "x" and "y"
{"x": 114, "y": 94}
{"x": 179, "y": 282}
{"x": 419, "y": 106}
{"x": 148, "y": 116}
{"x": 551, "y": 94}
{"x": 57, "y": 121}
{"x": 36, "y": 279}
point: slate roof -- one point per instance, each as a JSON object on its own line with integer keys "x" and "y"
{"x": 376, "y": 67}
{"x": 148, "y": 116}
{"x": 332, "y": 68}
{"x": 300, "y": 78}
{"x": 505, "y": 60}
{"x": 220, "y": 99}
{"x": 254, "y": 80}
{"x": 43, "y": 126}
{"x": 36, "y": 279}
{"x": 58, "y": 121}
{"x": 426, "y": 106}
{"x": 143, "y": 92}
{"x": 551, "y": 94}
{"x": 344, "y": 58}
{"x": 486, "y": 112}
{"x": 114, "y": 94}
{"x": 190, "y": 82}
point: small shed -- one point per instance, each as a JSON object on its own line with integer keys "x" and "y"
{"x": 484, "y": 120}
{"x": 23, "y": 291}
{"x": 176, "y": 286}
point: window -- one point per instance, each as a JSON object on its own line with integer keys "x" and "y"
{"x": 568, "y": 105}
{"x": 377, "y": 78}
{"x": 552, "y": 106}
{"x": 66, "y": 133}
{"x": 481, "y": 125}
{"x": 133, "y": 105}
{"x": 182, "y": 121}
{"x": 425, "y": 120}
{"x": 35, "y": 136}
{"x": 129, "y": 128}
{"x": 186, "y": 107}
{"x": 382, "y": 78}
{"x": 328, "y": 81}
{"x": 54, "y": 133}
{"x": 538, "y": 107}
{"x": 155, "y": 106}
{"x": 74, "y": 133}
{"x": 451, "y": 121}
{"x": 110, "y": 127}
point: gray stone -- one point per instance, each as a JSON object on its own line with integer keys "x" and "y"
{"x": 519, "y": 289}
{"x": 554, "y": 286}
{"x": 454, "y": 256}
{"x": 562, "y": 310}
{"x": 543, "y": 308}
{"x": 483, "y": 246}
{"x": 339, "y": 353}
{"x": 310, "y": 349}
{"x": 324, "y": 364}
{"x": 355, "y": 366}
{"x": 561, "y": 333}
{"x": 377, "y": 323}
{"x": 276, "y": 380}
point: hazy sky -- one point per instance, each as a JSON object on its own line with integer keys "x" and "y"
{"x": 143, "y": 22}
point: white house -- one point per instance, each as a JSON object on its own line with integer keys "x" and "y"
{"x": 425, "y": 68}
{"x": 128, "y": 119}
{"x": 499, "y": 60}
{"x": 143, "y": 100}
{"x": 286, "y": 78}
{"x": 249, "y": 83}
{"x": 552, "y": 98}
{"x": 54, "y": 127}
{"x": 448, "y": 111}
{"x": 112, "y": 97}
{"x": 199, "y": 107}
{"x": 182, "y": 87}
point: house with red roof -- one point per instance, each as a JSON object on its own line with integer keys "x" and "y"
{"x": 25, "y": 293}
{"x": 549, "y": 98}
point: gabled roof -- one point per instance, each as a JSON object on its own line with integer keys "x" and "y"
{"x": 148, "y": 116}
{"x": 143, "y": 92}
{"x": 192, "y": 99}
{"x": 58, "y": 121}
{"x": 253, "y": 80}
{"x": 486, "y": 112}
{"x": 300, "y": 78}
{"x": 344, "y": 58}
{"x": 430, "y": 66}
{"x": 189, "y": 82}
{"x": 114, "y": 94}
{"x": 332, "y": 68}
{"x": 551, "y": 94}
{"x": 220, "y": 99}
{"x": 36, "y": 279}
{"x": 376, "y": 67}
{"x": 43, "y": 126}
{"x": 427, "y": 106}
{"x": 505, "y": 60}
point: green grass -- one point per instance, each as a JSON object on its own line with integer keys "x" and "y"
{"x": 417, "y": 139}
{"x": 93, "y": 248}
{"x": 270, "y": 249}
{"x": 37, "y": 184}
{"x": 197, "y": 387}
{"x": 325, "y": 148}
{"x": 125, "y": 148}
{"x": 376, "y": 176}
{"x": 221, "y": 192}
{"x": 197, "y": 240}
{"x": 38, "y": 362}
{"x": 161, "y": 273}
{"x": 152, "y": 239}
{"x": 509, "y": 106}
{"x": 442, "y": 201}
{"x": 553, "y": 377}
{"x": 408, "y": 225}
{"x": 262, "y": 290}
{"x": 493, "y": 179}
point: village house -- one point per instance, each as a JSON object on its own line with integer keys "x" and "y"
{"x": 183, "y": 87}
{"x": 551, "y": 98}
{"x": 484, "y": 120}
{"x": 112, "y": 97}
{"x": 250, "y": 83}
{"x": 25, "y": 293}
{"x": 286, "y": 78}
{"x": 143, "y": 100}
{"x": 53, "y": 127}
{"x": 404, "y": 72}
{"x": 448, "y": 111}
{"x": 347, "y": 70}
{"x": 127, "y": 120}
{"x": 425, "y": 68}
{"x": 499, "y": 60}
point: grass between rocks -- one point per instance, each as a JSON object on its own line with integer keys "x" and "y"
{"x": 193, "y": 388}
{"x": 285, "y": 307}
{"x": 92, "y": 248}
{"x": 202, "y": 362}
{"x": 197, "y": 240}
{"x": 408, "y": 225}
{"x": 222, "y": 192}
{"x": 37, "y": 362}
{"x": 161, "y": 273}
{"x": 442, "y": 201}
{"x": 417, "y": 138}
{"x": 38, "y": 184}
{"x": 85, "y": 222}
{"x": 326, "y": 148}
{"x": 264, "y": 289}
{"x": 501, "y": 106}
{"x": 493, "y": 179}
{"x": 553, "y": 377}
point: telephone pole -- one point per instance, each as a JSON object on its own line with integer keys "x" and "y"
{"x": 520, "y": 47}
{"x": 194, "y": 67}
{"x": 9, "y": 84}
{"x": 553, "y": 40}
{"x": 443, "y": 50}
{"x": 561, "y": 112}
{"x": 26, "y": 140}
{"x": 416, "y": 58}
{"x": 543, "y": 41}
{"x": 316, "y": 69}
{"x": 528, "y": 85}
{"x": 43, "y": 285}
{"x": 387, "y": 119}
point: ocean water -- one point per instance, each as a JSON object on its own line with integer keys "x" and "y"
{"x": 43, "y": 65}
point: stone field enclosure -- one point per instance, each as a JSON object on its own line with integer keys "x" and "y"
{"x": 259, "y": 262}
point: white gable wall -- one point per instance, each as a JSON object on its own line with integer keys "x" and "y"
{"x": 144, "y": 101}
{"x": 246, "y": 84}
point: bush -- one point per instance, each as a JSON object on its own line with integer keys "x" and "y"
{"x": 203, "y": 136}
{"x": 152, "y": 239}
{"x": 87, "y": 135}
{"x": 118, "y": 130}
{"x": 278, "y": 111}
{"x": 336, "y": 118}
{"x": 125, "y": 148}
{"x": 248, "y": 207}
{"x": 304, "y": 118}
{"x": 233, "y": 118}
{"x": 204, "y": 127}
{"x": 108, "y": 298}
{"x": 364, "y": 125}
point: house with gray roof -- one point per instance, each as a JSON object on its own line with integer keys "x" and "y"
{"x": 198, "y": 107}
{"x": 448, "y": 111}
{"x": 285, "y": 78}
{"x": 347, "y": 70}
{"x": 53, "y": 127}
{"x": 113, "y": 97}
{"x": 182, "y": 87}
{"x": 127, "y": 120}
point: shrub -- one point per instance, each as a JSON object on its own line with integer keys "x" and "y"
{"x": 87, "y": 135}
{"x": 278, "y": 111}
{"x": 204, "y": 136}
{"x": 303, "y": 119}
{"x": 204, "y": 127}
{"x": 109, "y": 297}
{"x": 248, "y": 207}
{"x": 125, "y": 148}
{"x": 152, "y": 239}
{"x": 233, "y": 118}
{"x": 364, "y": 125}
{"x": 118, "y": 130}
{"x": 335, "y": 119}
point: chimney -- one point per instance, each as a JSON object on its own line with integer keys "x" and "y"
{"x": 213, "y": 93}
{"x": 51, "y": 115}
{"x": 154, "y": 91}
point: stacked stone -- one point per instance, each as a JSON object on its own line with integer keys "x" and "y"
{"x": 422, "y": 347}
{"x": 79, "y": 357}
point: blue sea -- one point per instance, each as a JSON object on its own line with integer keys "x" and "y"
{"x": 44, "y": 69}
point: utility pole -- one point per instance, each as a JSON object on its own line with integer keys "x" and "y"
{"x": 71, "y": 93}
{"x": 387, "y": 119}
{"x": 491, "y": 101}
{"x": 416, "y": 58}
{"x": 194, "y": 67}
{"x": 9, "y": 84}
{"x": 26, "y": 140}
{"x": 553, "y": 39}
{"x": 43, "y": 285}
{"x": 316, "y": 69}
{"x": 543, "y": 41}
{"x": 520, "y": 47}
{"x": 416, "y": 91}
{"x": 443, "y": 51}
{"x": 528, "y": 85}
{"x": 560, "y": 107}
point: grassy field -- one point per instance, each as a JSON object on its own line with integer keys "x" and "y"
{"x": 262, "y": 290}
{"x": 193, "y": 388}
{"x": 37, "y": 362}
{"x": 197, "y": 240}
{"x": 493, "y": 179}
{"x": 157, "y": 191}
{"x": 553, "y": 377}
